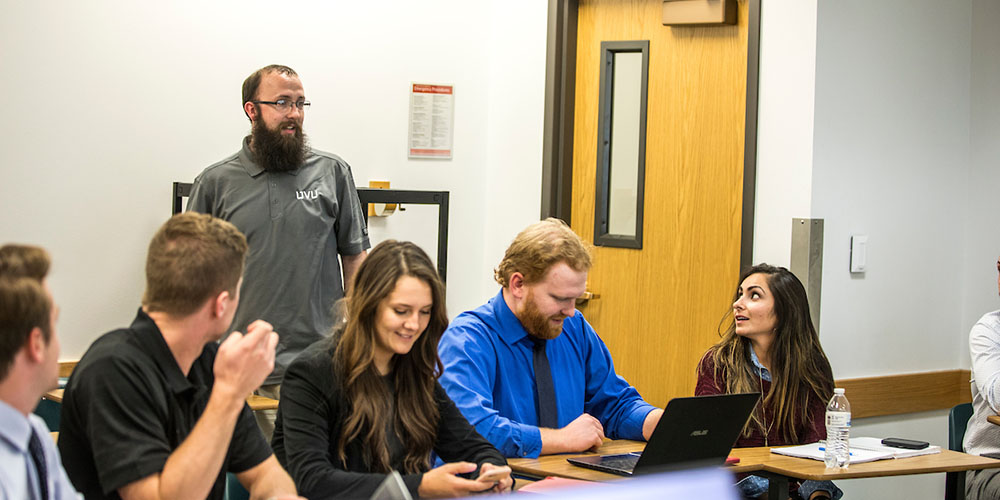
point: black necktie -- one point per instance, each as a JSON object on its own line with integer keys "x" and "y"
{"x": 548, "y": 414}
{"x": 38, "y": 456}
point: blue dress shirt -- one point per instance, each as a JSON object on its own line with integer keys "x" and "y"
{"x": 18, "y": 477}
{"x": 488, "y": 372}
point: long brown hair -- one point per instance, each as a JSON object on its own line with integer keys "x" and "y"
{"x": 800, "y": 370}
{"x": 414, "y": 374}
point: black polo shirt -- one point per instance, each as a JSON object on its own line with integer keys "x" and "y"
{"x": 127, "y": 406}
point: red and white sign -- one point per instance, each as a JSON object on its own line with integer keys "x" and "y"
{"x": 432, "y": 119}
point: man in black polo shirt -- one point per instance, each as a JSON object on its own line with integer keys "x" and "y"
{"x": 158, "y": 410}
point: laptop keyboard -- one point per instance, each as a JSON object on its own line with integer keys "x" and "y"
{"x": 622, "y": 462}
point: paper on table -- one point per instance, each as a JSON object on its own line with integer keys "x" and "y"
{"x": 863, "y": 449}
{"x": 815, "y": 452}
{"x": 875, "y": 444}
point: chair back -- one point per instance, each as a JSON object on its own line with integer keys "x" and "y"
{"x": 235, "y": 490}
{"x": 958, "y": 420}
{"x": 50, "y": 413}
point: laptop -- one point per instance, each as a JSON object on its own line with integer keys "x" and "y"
{"x": 693, "y": 431}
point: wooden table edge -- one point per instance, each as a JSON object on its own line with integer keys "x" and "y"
{"x": 863, "y": 471}
{"x": 541, "y": 467}
{"x": 256, "y": 402}
{"x": 761, "y": 459}
{"x": 55, "y": 395}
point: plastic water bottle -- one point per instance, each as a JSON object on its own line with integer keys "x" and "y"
{"x": 838, "y": 431}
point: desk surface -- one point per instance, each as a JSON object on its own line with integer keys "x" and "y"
{"x": 751, "y": 459}
{"x": 761, "y": 459}
{"x": 946, "y": 461}
{"x": 256, "y": 402}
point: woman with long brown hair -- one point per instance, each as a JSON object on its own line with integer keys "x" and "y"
{"x": 771, "y": 347}
{"x": 366, "y": 401}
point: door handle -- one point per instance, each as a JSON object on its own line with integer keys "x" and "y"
{"x": 586, "y": 297}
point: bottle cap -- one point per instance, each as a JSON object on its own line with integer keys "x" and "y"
{"x": 838, "y": 391}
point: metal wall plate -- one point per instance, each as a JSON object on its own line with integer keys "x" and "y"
{"x": 807, "y": 260}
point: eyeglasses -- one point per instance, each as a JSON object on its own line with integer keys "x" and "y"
{"x": 284, "y": 105}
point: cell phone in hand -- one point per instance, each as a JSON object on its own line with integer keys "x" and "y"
{"x": 494, "y": 475}
{"x": 908, "y": 444}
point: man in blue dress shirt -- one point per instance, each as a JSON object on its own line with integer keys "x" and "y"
{"x": 527, "y": 369}
{"x": 29, "y": 366}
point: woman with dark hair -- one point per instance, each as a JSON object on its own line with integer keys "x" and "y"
{"x": 366, "y": 402}
{"x": 771, "y": 347}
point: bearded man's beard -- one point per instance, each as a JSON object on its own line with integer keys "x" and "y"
{"x": 277, "y": 152}
{"x": 536, "y": 323}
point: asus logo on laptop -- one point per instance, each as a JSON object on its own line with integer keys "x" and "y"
{"x": 700, "y": 433}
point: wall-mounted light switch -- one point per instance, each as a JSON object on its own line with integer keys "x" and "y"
{"x": 859, "y": 253}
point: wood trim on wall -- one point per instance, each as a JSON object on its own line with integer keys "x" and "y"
{"x": 66, "y": 367}
{"x": 907, "y": 393}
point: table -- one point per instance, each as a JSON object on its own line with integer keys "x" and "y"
{"x": 778, "y": 468}
{"x": 751, "y": 459}
{"x": 256, "y": 402}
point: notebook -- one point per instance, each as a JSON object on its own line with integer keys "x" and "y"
{"x": 693, "y": 431}
{"x": 863, "y": 449}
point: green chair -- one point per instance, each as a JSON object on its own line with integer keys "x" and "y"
{"x": 235, "y": 490}
{"x": 958, "y": 419}
{"x": 49, "y": 411}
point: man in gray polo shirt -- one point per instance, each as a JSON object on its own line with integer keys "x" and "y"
{"x": 298, "y": 208}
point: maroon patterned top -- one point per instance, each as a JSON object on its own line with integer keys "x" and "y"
{"x": 812, "y": 431}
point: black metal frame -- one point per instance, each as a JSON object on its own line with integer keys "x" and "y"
{"x": 602, "y": 236}
{"x": 366, "y": 196}
{"x": 181, "y": 191}
{"x": 439, "y": 198}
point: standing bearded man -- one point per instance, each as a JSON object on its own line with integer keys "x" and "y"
{"x": 299, "y": 210}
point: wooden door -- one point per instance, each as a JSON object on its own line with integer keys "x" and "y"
{"x": 659, "y": 307}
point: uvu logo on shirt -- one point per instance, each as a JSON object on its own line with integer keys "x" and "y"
{"x": 307, "y": 195}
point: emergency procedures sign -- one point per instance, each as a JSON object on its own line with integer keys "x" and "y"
{"x": 432, "y": 120}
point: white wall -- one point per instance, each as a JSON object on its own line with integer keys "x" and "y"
{"x": 786, "y": 96}
{"x": 109, "y": 101}
{"x": 982, "y": 226}
{"x": 904, "y": 149}
{"x": 891, "y": 160}
{"x": 516, "y": 76}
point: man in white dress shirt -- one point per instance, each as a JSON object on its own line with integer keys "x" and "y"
{"x": 982, "y": 436}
